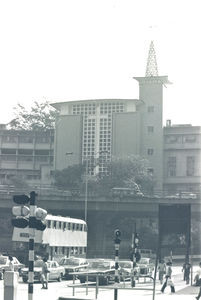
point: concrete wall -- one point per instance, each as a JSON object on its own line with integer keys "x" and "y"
{"x": 68, "y": 138}
{"x": 126, "y": 134}
{"x": 151, "y": 93}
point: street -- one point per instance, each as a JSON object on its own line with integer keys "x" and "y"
{"x": 64, "y": 289}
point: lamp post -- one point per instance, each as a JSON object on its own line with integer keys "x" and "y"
{"x": 86, "y": 190}
{"x": 86, "y": 178}
{"x": 86, "y": 182}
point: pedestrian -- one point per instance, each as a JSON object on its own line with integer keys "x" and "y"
{"x": 44, "y": 274}
{"x": 186, "y": 269}
{"x": 168, "y": 279}
{"x": 11, "y": 264}
{"x": 161, "y": 270}
{"x": 197, "y": 279}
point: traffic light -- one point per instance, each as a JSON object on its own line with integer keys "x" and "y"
{"x": 136, "y": 240}
{"x": 137, "y": 255}
{"x": 21, "y": 212}
{"x": 117, "y": 234}
{"x": 40, "y": 215}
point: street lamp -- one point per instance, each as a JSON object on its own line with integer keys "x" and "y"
{"x": 86, "y": 182}
{"x": 86, "y": 159}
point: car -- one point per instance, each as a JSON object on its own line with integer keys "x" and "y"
{"x": 56, "y": 271}
{"x": 4, "y": 265}
{"x": 103, "y": 268}
{"x": 126, "y": 269}
{"x": 73, "y": 264}
{"x": 146, "y": 266}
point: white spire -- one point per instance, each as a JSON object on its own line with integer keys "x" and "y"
{"x": 152, "y": 69}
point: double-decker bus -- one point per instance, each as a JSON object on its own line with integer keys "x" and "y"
{"x": 63, "y": 236}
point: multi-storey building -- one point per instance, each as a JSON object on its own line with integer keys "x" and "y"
{"x": 100, "y": 129}
{"x": 104, "y": 128}
{"x": 26, "y": 154}
{"x": 182, "y": 158}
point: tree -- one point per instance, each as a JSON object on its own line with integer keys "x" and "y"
{"x": 18, "y": 181}
{"x": 70, "y": 178}
{"x": 130, "y": 171}
{"x": 41, "y": 116}
{"x": 122, "y": 172}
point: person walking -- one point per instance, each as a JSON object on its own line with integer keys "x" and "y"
{"x": 44, "y": 274}
{"x": 186, "y": 269}
{"x": 11, "y": 263}
{"x": 161, "y": 270}
{"x": 168, "y": 280}
{"x": 197, "y": 279}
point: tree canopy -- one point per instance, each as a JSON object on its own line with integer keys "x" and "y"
{"x": 40, "y": 116}
{"x": 122, "y": 172}
{"x": 69, "y": 178}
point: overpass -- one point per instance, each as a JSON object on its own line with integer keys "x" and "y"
{"x": 105, "y": 214}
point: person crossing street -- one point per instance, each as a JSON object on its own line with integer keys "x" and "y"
{"x": 168, "y": 279}
{"x": 44, "y": 274}
{"x": 197, "y": 279}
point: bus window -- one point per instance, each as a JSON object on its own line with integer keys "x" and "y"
{"x": 49, "y": 224}
{"x": 73, "y": 226}
{"x": 77, "y": 226}
{"x": 55, "y": 224}
{"x": 69, "y": 226}
{"x": 64, "y": 225}
{"x": 81, "y": 227}
{"x": 59, "y": 225}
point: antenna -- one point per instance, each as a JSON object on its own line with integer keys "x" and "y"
{"x": 151, "y": 69}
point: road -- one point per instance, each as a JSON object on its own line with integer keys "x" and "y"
{"x": 64, "y": 289}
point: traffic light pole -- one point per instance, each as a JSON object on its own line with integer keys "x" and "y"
{"x": 31, "y": 244}
{"x": 134, "y": 261}
{"x": 117, "y": 241}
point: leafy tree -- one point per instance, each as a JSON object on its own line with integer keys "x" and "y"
{"x": 122, "y": 172}
{"x": 18, "y": 181}
{"x": 129, "y": 172}
{"x": 41, "y": 116}
{"x": 70, "y": 178}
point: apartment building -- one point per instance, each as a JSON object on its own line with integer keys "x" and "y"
{"x": 182, "y": 158}
{"x": 26, "y": 154}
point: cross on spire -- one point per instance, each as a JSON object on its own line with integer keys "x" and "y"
{"x": 152, "y": 69}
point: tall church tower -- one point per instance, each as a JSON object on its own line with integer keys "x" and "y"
{"x": 151, "y": 94}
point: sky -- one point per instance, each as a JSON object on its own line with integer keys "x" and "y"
{"x": 64, "y": 50}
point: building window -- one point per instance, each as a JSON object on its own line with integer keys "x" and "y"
{"x": 150, "y": 151}
{"x": 25, "y": 139}
{"x": 171, "y": 166}
{"x": 190, "y": 166}
{"x": 150, "y": 129}
{"x": 190, "y": 139}
{"x": 172, "y": 139}
{"x": 9, "y": 139}
{"x": 8, "y": 151}
{"x": 150, "y": 171}
{"x": 150, "y": 109}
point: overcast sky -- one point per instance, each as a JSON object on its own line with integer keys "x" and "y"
{"x": 87, "y": 49}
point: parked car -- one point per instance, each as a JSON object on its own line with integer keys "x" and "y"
{"x": 56, "y": 271}
{"x": 4, "y": 265}
{"x": 104, "y": 269}
{"x": 73, "y": 264}
{"x": 126, "y": 268}
{"x": 146, "y": 266}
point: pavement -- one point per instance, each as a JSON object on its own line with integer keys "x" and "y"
{"x": 141, "y": 292}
